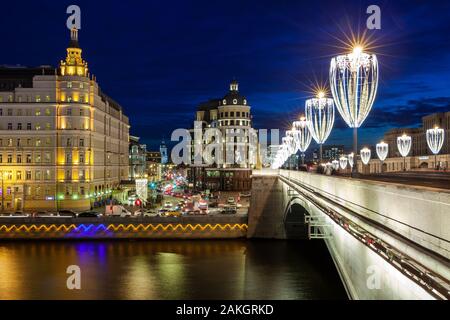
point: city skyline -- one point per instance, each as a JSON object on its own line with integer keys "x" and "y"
{"x": 275, "y": 58}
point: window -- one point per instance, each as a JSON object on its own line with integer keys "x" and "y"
{"x": 28, "y": 158}
{"x": 38, "y": 111}
{"x": 69, "y": 111}
{"x": 38, "y": 98}
{"x": 19, "y": 158}
{"x": 38, "y": 126}
{"x": 1, "y": 112}
{"x": 47, "y": 157}
{"x": 69, "y": 142}
{"x": 19, "y": 126}
{"x": 1, "y": 158}
{"x": 48, "y": 141}
{"x": 81, "y": 112}
{"x": 69, "y": 99}
{"x": 18, "y": 175}
{"x": 81, "y": 157}
{"x": 68, "y": 175}
{"x": 232, "y": 114}
{"x": 29, "y": 142}
{"x": 10, "y": 142}
{"x": 82, "y": 191}
{"x": 81, "y": 143}
{"x": 9, "y": 126}
{"x": 29, "y": 126}
{"x": 9, "y": 158}
{"x": 38, "y": 191}
{"x": 48, "y": 126}
{"x": 9, "y": 112}
{"x": 19, "y": 98}
{"x": 28, "y": 175}
{"x": 37, "y": 158}
{"x": 47, "y": 111}
{"x": 81, "y": 85}
{"x": 38, "y": 175}
{"x": 19, "y": 112}
{"x": 69, "y": 84}
{"x": 47, "y": 98}
{"x": 81, "y": 175}
{"x": 38, "y": 142}
{"x": 47, "y": 174}
{"x": 69, "y": 157}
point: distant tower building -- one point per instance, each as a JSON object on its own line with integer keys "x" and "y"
{"x": 163, "y": 150}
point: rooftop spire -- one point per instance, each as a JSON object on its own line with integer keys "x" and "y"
{"x": 234, "y": 86}
{"x": 74, "y": 38}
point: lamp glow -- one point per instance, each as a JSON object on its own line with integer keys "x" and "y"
{"x": 354, "y": 84}
{"x": 404, "y": 146}
{"x": 302, "y": 136}
{"x": 382, "y": 149}
{"x": 351, "y": 159}
{"x": 320, "y": 118}
{"x": 343, "y": 162}
{"x": 365, "y": 155}
{"x": 435, "y": 139}
{"x": 335, "y": 164}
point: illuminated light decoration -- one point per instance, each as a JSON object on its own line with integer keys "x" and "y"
{"x": 404, "y": 143}
{"x": 382, "y": 149}
{"x": 351, "y": 157}
{"x": 435, "y": 141}
{"x": 335, "y": 164}
{"x": 302, "y": 136}
{"x": 365, "y": 155}
{"x": 99, "y": 230}
{"x": 290, "y": 142}
{"x": 343, "y": 162}
{"x": 354, "y": 84}
{"x": 320, "y": 118}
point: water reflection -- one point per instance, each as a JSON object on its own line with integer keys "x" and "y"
{"x": 234, "y": 269}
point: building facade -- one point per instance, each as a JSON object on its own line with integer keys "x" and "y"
{"x": 154, "y": 165}
{"x": 63, "y": 142}
{"x": 231, "y": 115}
{"x": 138, "y": 159}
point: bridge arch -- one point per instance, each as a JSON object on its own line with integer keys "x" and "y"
{"x": 294, "y": 219}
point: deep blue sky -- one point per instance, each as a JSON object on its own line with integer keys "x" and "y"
{"x": 159, "y": 59}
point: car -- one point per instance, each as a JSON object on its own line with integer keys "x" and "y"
{"x": 246, "y": 194}
{"x": 173, "y": 213}
{"x": 193, "y": 212}
{"x": 89, "y": 214}
{"x": 67, "y": 213}
{"x": 229, "y": 210}
{"x": 15, "y": 215}
{"x": 145, "y": 213}
{"x": 231, "y": 200}
{"x": 43, "y": 214}
{"x": 168, "y": 204}
{"x": 162, "y": 212}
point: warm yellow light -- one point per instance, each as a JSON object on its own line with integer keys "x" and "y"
{"x": 320, "y": 94}
{"x": 357, "y": 50}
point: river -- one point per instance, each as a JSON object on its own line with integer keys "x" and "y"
{"x": 206, "y": 269}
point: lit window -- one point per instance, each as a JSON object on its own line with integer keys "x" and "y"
{"x": 38, "y": 111}
{"x": 38, "y": 98}
{"x": 69, "y": 84}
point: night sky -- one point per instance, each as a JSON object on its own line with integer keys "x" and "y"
{"x": 160, "y": 59}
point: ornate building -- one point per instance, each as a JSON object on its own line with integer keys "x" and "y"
{"x": 63, "y": 142}
{"x": 231, "y": 115}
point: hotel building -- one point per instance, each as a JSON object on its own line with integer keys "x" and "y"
{"x": 63, "y": 142}
{"x": 231, "y": 115}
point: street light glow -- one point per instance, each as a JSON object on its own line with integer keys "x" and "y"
{"x": 365, "y": 155}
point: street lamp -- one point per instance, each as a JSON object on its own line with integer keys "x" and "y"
{"x": 350, "y": 160}
{"x": 302, "y": 136}
{"x": 343, "y": 162}
{"x": 404, "y": 146}
{"x": 435, "y": 141}
{"x": 354, "y": 83}
{"x": 320, "y": 118}
{"x": 365, "y": 155}
{"x": 335, "y": 164}
{"x": 382, "y": 152}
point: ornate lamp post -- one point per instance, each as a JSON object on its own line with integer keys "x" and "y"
{"x": 290, "y": 144}
{"x": 335, "y": 164}
{"x": 343, "y": 162}
{"x": 435, "y": 141}
{"x": 404, "y": 146}
{"x": 320, "y": 118}
{"x": 382, "y": 152}
{"x": 354, "y": 83}
{"x": 302, "y": 136}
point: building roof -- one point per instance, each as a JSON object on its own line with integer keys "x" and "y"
{"x": 12, "y": 77}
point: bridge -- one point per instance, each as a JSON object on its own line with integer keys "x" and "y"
{"x": 387, "y": 240}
